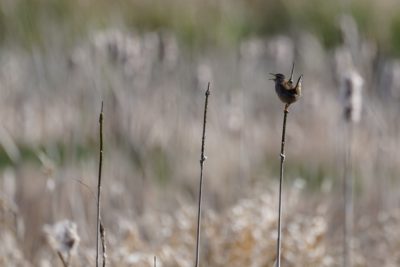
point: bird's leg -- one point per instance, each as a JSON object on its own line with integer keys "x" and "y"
{"x": 286, "y": 110}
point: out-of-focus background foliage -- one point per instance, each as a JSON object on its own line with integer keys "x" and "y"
{"x": 150, "y": 61}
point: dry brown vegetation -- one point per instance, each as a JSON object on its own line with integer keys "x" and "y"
{"x": 153, "y": 90}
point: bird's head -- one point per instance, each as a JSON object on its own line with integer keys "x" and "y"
{"x": 279, "y": 77}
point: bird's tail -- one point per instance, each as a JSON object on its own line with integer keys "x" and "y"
{"x": 299, "y": 81}
{"x": 291, "y": 74}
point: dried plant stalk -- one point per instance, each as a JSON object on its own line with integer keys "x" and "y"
{"x": 99, "y": 184}
{"x": 282, "y": 155}
{"x": 202, "y": 159}
{"x": 351, "y": 90}
{"x": 348, "y": 202}
{"x": 103, "y": 243}
{"x": 64, "y": 262}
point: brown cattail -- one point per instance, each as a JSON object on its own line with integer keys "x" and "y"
{"x": 63, "y": 238}
{"x": 351, "y": 94}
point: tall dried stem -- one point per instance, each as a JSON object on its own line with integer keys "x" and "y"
{"x": 99, "y": 184}
{"x": 348, "y": 189}
{"x": 351, "y": 90}
{"x": 103, "y": 243}
{"x": 202, "y": 159}
{"x": 282, "y": 155}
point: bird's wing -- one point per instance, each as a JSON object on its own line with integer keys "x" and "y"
{"x": 288, "y": 86}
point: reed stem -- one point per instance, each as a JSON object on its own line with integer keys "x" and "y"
{"x": 99, "y": 184}
{"x": 202, "y": 159}
{"x": 282, "y": 155}
{"x": 348, "y": 191}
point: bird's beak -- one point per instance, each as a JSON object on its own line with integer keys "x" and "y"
{"x": 273, "y": 74}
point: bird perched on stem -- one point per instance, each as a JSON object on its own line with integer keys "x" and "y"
{"x": 287, "y": 92}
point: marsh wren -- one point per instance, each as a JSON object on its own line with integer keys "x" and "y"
{"x": 287, "y": 92}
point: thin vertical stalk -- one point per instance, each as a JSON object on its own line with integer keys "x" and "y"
{"x": 202, "y": 159}
{"x": 155, "y": 261}
{"x": 64, "y": 262}
{"x": 99, "y": 184}
{"x": 348, "y": 189}
{"x": 282, "y": 155}
{"x": 103, "y": 243}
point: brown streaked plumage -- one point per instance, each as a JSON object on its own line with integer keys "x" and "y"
{"x": 287, "y": 92}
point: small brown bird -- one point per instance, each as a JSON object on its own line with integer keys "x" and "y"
{"x": 287, "y": 92}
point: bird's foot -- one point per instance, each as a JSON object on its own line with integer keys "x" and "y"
{"x": 286, "y": 110}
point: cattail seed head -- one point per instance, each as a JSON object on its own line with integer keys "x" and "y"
{"x": 351, "y": 95}
{"x": 62, "y": 237}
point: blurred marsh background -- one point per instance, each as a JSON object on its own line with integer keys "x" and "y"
{"x": 150, "y": 61}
